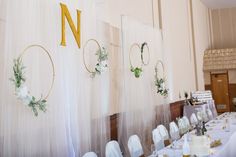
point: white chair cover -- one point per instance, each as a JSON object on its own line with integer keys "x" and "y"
{"x": 199, "y": 116}
{"x": 209, "y": 114}
{"x": 193, "y": 119}
{"x": 163, "y": 132}
{"x": 113, "y": 149}
{"x": 186, "y": 123}
{"x": 182, "y": 127}
{"x": 157, "y": 140}
{"x": 174, "y": 131}
{"x": 135, "y": 147}
{"x": 90, "y": 154}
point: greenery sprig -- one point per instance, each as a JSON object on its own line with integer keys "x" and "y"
{"x": 21, "y": 90}
{"x": 137, "y": 71}
{"x": 160, "y": 84}
{"x": 142, "y": 48}
{"x": 101, "y": 65}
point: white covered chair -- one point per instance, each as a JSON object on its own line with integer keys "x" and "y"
{"x": 193, "y": 120}
{"x": 157, "y": 140}
{"x": 186, "y": 123}
{"x": 90, "y": 154}
{"x": 199, "y": 116}
{"x": 174, "y": 131}
{"x": 113, "y": 149}
{"x": 135, "y": 147}
{"x": 209, "y": 114}
{"x": 182, "y": 127}
{"x": 163, "y": 132}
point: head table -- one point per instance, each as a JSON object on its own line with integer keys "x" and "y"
{"x": 216, "y": 131}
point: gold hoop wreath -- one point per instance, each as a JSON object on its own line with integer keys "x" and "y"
{"x": 136, "y": 70}
{"x": 99, "y": 66}
{"x": 160, "y": 81}
{"x": 162, "y": 66}
{"x": 21, "y": 90}
{"x": 142, "y": 48}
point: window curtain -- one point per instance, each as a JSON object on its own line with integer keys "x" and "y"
{"x": 140, "y": 107}
{"x": 76, "y": 118}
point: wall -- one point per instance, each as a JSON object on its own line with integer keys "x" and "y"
{"x": 183, "y": 42}
{"x": 181, "y": 52}
{"x": 202, "y": 38}
{"x": 223, "y": 35}
{"x": 223, "y": 30}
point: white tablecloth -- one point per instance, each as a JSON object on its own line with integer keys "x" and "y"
{"x": 215, "y": 131}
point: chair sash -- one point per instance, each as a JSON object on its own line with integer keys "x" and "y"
{"x": 135, "y": 147}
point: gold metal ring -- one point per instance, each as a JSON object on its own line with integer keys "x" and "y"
{"x": 99, "y": 48}
{"x": 131, "y": 48}
{"x": 162, "y": 65}
{"x": 148, "y": 55}
{"x": 53, "y": 67}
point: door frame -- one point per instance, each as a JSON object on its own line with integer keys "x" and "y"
{"x": 222, "y": 73}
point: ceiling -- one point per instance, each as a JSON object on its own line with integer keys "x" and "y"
{"x": 215, "y": 4}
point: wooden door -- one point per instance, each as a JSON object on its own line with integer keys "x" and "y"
{"x": 220, "y": 91}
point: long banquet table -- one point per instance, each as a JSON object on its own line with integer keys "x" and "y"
{"x": 215, "y": 130}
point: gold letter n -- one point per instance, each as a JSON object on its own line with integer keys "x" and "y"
{"x": 65, "y": 14}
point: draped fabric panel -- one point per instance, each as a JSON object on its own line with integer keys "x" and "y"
{"x": 138, "y": 114}
{"x": 76, "y": 118}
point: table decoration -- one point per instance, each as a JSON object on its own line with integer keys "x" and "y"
{"x": 102, "y": 59}
{"x": 160, "y": 81}
{"x": 21, "y": 90}
{"x": 215, "y": 143}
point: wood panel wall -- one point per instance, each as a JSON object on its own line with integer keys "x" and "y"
{"x": 176, "y": 110}
{"x": 232, "y": 94}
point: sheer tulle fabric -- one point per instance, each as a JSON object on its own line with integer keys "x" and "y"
{"x": 139, "y": 106}
{"x": 75, "y": 120}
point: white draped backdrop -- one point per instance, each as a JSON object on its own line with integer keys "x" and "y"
{"x": 77, "y": 117}
{"x": 139, "y": 106}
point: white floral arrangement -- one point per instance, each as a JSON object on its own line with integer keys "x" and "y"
{"x": 21, "y": 90}
{"x": 160, "y": 84}
{"x": 102, "y": 63}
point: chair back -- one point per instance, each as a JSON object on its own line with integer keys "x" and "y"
{"x": 157, "y": 140}
{"x": 199, "y": 116}
{"x": 163, "y": 132}
{"x": 209, "y": 114}
{"x": 135, "y": 147}
{"x": 174, "y": 131}
{"x": 186, "y": 123}
{"x": 182, "y": 128}
{"x": 90, "y": 154}
{"x": 193, "y": 119}
{"x": 113, "y": 149}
